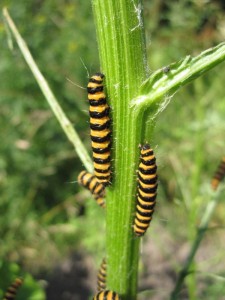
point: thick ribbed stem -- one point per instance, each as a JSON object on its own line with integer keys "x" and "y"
{"x": 122, "y": 54}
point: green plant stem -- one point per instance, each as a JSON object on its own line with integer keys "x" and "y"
{"x": 198, "y": 159}
{"x": 57, "y": 110}
{"x": 199, "y": 236}
{"x": 161, "y": 84}
{"x": 123, "y": 61}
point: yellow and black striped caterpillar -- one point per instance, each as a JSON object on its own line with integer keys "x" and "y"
{"x": 12, "y": 290}
{"x": 219, "y": 175}
{"x": 147, "y": 190}
{"x": 101, "y": 283}
{"x": 106, "y": 295}
{"x": 90, "y": 182}
{"x": 100, "y": 128}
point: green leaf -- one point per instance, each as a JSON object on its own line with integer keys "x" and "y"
{"x": 163, "y": 83}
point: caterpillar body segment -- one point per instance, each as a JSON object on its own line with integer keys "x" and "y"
{"x": 90, "y": 182}
{"x": 147, "y": 190}
{"x": 106, "y": 295}
{"x": 101, "y": 279}
{"x": 12, "y": 290}
{"x": 219, "y": 175}
{"x": 100, "y": 128}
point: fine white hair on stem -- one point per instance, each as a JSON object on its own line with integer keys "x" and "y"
{"x": 138, "y": 10}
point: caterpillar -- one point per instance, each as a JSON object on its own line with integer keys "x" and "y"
{"x": 147, "y": 190}
{"x": 101, "y": 283}
{"x": 106, "y": 295}
{"x": 219, "y": 175}
{"x": 11, "y": 292}
{"x": 90, "y": 182}
{"x": 100, "y": 128}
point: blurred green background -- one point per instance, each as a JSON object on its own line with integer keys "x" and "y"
{"x": 45, "y": 215}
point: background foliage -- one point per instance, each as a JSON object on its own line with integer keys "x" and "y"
{"x": 44, "y": 214}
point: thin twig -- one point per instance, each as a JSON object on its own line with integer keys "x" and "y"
{"x": 199, "y": 236}
{"x": 57, "y": 110}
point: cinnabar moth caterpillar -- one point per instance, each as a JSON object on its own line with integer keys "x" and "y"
{"x": 100, "y": 128}
{"x": 106, "y": 295}
{"x": 219, "y": 175}
{"x": 91, "y": 183}
{"x": 101, "y": 283}
{"x": 13, "y": 289}
{"x": 147, "y": 190}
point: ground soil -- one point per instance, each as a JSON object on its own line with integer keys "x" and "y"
{"x": 160, "y": 261}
